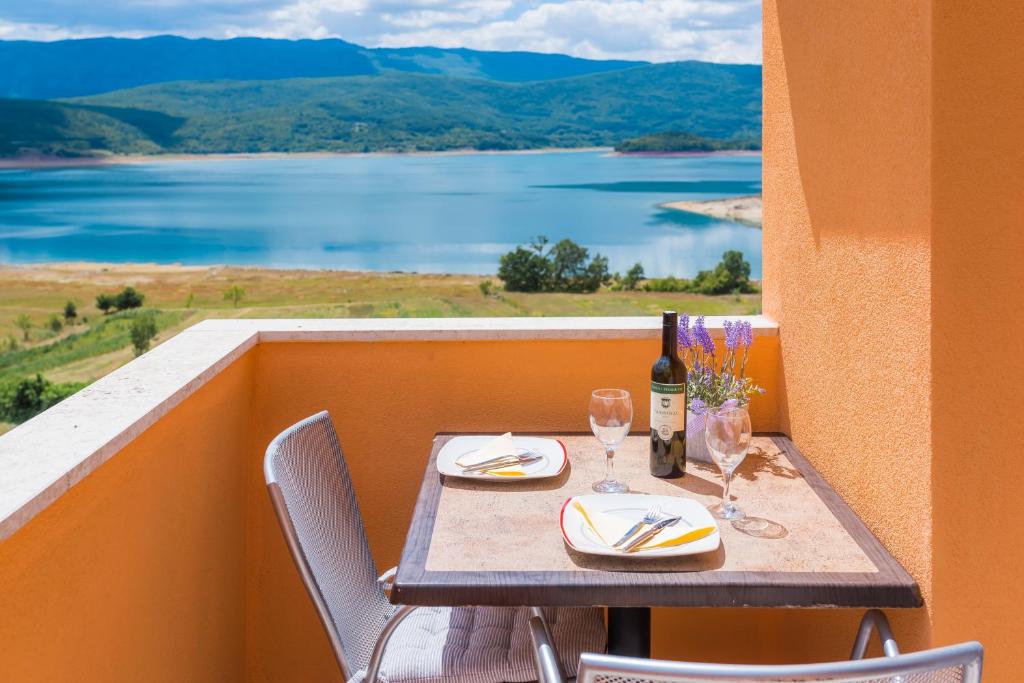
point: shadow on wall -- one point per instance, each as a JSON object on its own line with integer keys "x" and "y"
{"x": 860, "y": 116}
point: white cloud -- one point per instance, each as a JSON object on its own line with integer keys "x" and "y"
{"x": 656, "y": 30}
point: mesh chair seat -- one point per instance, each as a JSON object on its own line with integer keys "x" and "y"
{"x": 315, "y": 502}
{"x": 482, "y": 644}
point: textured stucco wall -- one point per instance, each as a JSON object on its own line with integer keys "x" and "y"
{"x": 137, "y": 573}
{"x": 847, "y": 252}
{"x": 978, "y": 330}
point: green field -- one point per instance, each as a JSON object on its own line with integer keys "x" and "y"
{"x": 182, "y": 296}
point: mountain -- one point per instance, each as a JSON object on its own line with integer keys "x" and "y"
{"x": 71, "y": 68}
{"x": 392, "y": 111}
{"x": 406, "y": 111}
{"x": 59, "y": 129}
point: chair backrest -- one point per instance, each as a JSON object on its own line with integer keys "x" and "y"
{"x": 953, "y": 664}
{"x": 316, "y": 505}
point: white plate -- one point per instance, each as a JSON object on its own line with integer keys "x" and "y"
{"x": 632, "y": 506}
{"x": 551, "y": 464}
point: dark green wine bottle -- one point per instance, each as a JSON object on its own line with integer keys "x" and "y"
{"x": 668, "y": 404}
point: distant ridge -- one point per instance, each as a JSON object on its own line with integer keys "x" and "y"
{"x": 73, "y": 68}
{"x": 391, "y": 111}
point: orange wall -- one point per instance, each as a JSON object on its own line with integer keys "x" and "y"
{"x": 978, "y": 332}
{"x": 137, "y": 573}
{"x": 387, "y": 401}
{"x": 847, "y": 255}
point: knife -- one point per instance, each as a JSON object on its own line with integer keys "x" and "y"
{"x": 649, "y": 534}
{"x": 502, "y": 462}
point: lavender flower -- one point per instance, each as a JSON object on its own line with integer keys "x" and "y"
{"x": 746, "y": 333}
{"x": 685, "y": 338}
{"x": 713, "y": 382}
{"x": 733, "y": 332}
{"x": 703, "y": 338}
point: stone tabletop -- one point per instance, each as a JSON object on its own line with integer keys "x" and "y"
{"x": 482, "y": 542}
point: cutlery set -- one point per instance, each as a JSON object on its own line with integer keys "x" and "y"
{"x": 504, "y": 461}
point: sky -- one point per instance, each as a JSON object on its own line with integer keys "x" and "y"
{"x": 652, "y": 30}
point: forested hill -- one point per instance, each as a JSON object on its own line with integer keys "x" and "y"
{"x": 392, "y": 112}
{"x": 70, "y": 68}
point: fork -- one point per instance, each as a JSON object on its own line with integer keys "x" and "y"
{"x": 653, "y": 515}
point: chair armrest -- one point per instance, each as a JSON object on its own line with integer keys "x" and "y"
{"x": 548, "y": 668}
{"x": 387, "y": 580}
{"x": 874, "y": 620}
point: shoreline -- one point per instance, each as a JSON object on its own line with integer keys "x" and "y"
{"x": 746, "y": 210}
{"x": 123, "y": 159}
{"x": 713, "y": 153}
{"x": 30, "y": 162}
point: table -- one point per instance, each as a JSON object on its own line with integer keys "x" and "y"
{"x": 462, "y": 547}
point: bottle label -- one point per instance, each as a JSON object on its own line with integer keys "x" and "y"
{"x": 668, "y": 409}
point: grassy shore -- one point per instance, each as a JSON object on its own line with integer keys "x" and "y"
{"x": 184, "y": 295}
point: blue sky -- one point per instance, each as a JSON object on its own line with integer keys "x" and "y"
{"x": 656, "y": 30}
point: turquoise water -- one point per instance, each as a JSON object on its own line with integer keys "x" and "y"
{"x": 454, "y": 213}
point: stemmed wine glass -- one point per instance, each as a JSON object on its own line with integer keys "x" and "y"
{"x": 611, "y": 414}
{"x": 727, "y": 433}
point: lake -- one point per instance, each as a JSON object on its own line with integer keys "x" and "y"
{"x": 423, "y": 213}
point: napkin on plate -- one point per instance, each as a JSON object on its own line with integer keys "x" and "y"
{"x": 502, "y": 445}
{"x": 610, "y": 528}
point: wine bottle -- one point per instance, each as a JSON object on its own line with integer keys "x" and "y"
{"x": 668, "y": 404}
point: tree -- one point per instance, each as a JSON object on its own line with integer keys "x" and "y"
{"x": 563, "y": 268}
{"x": 25, "y": 398}
{"x": 633, "y": 277}
{"x": 55, "y": 324}
{"x": 234, "y": 294}
{"x": 570, "y": 270}
{"x": 104, "y": 302}
{"x": 526, "y": 270}
{"x": 70, "y": 312}
{"x": 23, "y": 323}
{"x": 190, "y": 299}
{"x": 128, "y": 298}
{"x": 732, "y": 274}
{"x": 143, "y": 331}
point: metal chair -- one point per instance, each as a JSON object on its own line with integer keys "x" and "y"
{"x": 954, "y": 664}
{"x": 312, "y": 494}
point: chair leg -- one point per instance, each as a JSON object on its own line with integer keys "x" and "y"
{"x": 874, "y": 620}
{"x": 549, "y": 668}
{"x": 373, "y": 668}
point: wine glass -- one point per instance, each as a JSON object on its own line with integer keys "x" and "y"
{"x": 611, "y": 414}
{"x": 727, "y": 433}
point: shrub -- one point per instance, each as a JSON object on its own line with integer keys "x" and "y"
{"x": 55, "y": 324}
{"x": 26, "y": 398}
{"x": 633, "y": 276}
{"x": 128, "y": 298}
{"x": 732, "y": 274}
{"x": 104, "y": 302}
{"x": 143, "y": 331}
{"x": 486, "y": 287}
{"x": 70, "y": 312}
{"x": 667, "y": 284}
{"x": 234, "y": 294}
{"x": 563, "y": 268}
{"x": 23, "y": 323}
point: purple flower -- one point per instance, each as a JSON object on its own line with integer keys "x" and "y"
{"x": 703, "y": 338}
{"x": 746, "y": 333}
{"x": 733, "y": 331}
{"x": 685, "y": 339}
{"x": 697, "y": 406}
{"x": 730, "y": 404}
